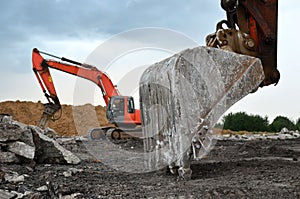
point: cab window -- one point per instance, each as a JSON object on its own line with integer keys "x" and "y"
{"x": 118, "y": 105}
{"x": 130, "y": 105}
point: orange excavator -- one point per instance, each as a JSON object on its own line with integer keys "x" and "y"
{"x": 120, "y": 109}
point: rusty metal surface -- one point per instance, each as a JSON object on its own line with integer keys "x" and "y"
{"x": 265, "y": 13}
{"x": 258, "y": 19}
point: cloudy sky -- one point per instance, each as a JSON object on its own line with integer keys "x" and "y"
{"x": 74, "y": 29}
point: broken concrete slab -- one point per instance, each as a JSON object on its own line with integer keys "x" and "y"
{"x": 22, "y": 149}
{"x": 7, "y": 194}
{"x": 183, "y": 96}
{"x": 49, "y": 151}
{"x": 27, "y": 137}
{"x": 21, "y": 143}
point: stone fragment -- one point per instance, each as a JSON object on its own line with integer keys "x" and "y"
{"x": 284, "y": 130}
{"x": 9, "y": 132}
{"x": 14, "y": 177}
{"x": 6, "y": 194}
{"x": 296, "y": 134}
{"x": 49, "y": 151}
{"x": 26, "y": 137}
{"x": 72, "y": 196}
{"x": 28, "y": 194}
{"x": 42, "y": 188}
{"x": 17, "y": 194}
{"x": 183, "y": 96}
{"x": 8, "y": 157}
{"x": 6, "y": 118}
{"x": 50, "y": 133}
{"x": 18, "y": 140}
{"x": 71, "y": 171}
{"x": 22, "y": 149}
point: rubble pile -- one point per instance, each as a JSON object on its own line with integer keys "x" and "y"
{"x": 30, "y": 113}
{"x": 28, "y": 144}
{"x": 282, "y": 135}
{"x": 24, "y": 149}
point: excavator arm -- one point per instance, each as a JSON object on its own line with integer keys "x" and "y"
{"x": 41, "y": 69}
{"x": 251, "y": 30}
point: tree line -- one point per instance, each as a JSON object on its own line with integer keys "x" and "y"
{"x": 241, "y": 121}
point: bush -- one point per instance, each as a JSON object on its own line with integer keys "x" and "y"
{"x": 297, "y": 126}
{"x": 242, "y": 122}
{"x": 281, "y": 122}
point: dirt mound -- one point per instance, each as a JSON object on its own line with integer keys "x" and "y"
{"x": 74, "y": 120}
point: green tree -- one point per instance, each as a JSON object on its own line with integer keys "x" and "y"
{"x": 297, "y": 125}
{"x": 241, "y": 121}
{"x": 218, "y": 125}
{"x": 280, "y": 122}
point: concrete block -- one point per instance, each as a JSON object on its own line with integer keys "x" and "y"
{"x": 22, "y": 149}
{"x": 49, "y": 151}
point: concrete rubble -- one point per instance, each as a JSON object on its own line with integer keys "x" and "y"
{"x": 29, "y": 145}
{"x": 282, "y": 135}
{"x": 24, "y": 144}
{"x": 7, "y": 194}
{"x": 265, "y": 161}
{"x": 183, "y": 96}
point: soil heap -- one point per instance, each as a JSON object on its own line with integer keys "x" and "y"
{"x": 30, "y": 113}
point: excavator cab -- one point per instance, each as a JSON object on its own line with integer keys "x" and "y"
{"x": 121, "y": 111}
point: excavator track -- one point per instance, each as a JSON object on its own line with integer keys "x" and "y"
{"x": 115, "y": 133}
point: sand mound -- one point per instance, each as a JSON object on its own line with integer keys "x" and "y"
{"x": 74, "y": 120}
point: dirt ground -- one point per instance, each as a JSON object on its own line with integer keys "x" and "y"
{"x": 234, "y": 169}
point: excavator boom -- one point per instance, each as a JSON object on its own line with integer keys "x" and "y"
{"x": 41, "y": 68}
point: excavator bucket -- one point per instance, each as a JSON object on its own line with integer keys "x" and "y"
{"x": 183, "y": 96}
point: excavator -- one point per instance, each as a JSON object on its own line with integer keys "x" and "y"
{"x": 250, "y": 29}
{"x": 120, "y": 111}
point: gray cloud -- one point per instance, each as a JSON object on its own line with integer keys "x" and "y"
{"x": 65, "y": 18}
{"x": 25, "y": 24}
{"x": 68, "y": 18}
